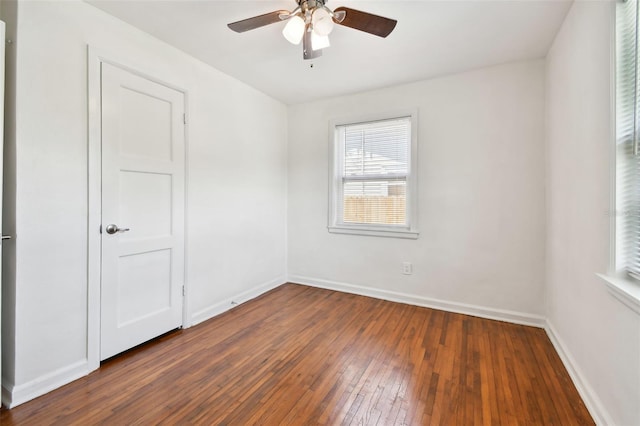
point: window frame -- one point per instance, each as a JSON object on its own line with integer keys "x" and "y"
{"x": 336, "y": 187}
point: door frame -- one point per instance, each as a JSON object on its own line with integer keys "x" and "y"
{"x": 3, "y": 64}
{"x": 95, "y": 59}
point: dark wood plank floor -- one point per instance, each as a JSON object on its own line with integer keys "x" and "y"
{"x": 304, "y": 356}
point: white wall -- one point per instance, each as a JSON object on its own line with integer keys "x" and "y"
{"x": 599, "y": 336}
{"x": 236, "y": 189}
{"x": 481, "y": 196}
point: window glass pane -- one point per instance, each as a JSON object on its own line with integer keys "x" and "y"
{"x": 380, "y": 202}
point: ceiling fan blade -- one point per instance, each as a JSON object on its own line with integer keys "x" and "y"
{"x": 257, "y": 21}
{"x": 307, "y": 51}
{"x": 367, "y": 22}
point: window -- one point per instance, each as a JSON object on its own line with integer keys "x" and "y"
{"x": 627, "y": 251}
{"x": 373, "y": 176}
{"x": 623, "y": 278}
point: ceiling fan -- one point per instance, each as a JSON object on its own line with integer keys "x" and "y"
{"x": 311, "y": 22}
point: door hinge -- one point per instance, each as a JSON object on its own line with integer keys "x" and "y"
{"x": 184, "y": 118}
{"x": 184, "y": 292}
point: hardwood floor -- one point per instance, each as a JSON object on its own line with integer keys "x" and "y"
{"x": 304, "y": 356}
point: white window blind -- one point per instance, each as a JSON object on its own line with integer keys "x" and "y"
{"x": 375, "y": 170}
{"x": 627, "y": 135}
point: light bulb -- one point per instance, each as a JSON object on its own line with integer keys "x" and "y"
{"x": 294, "y": 30}
{"x": 322, "y": 22}
{"x": 319, "y": 42}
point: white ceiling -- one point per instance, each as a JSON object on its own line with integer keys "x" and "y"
{"x": 432, "y": 38}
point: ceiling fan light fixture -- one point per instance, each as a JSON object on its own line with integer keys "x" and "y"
{"x": 311, "y": 22}
{"x": 294, "y": 30}
{"x": 319, "y": 42}
{"x": 322, "y": 21}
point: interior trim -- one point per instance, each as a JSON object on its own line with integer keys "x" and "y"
{"x": 590, "y": 398}
{"x": 445, "y": 305}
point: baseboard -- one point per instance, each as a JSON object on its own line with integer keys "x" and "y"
{"x": 223, "y": 306}
{"x": 460, "y": 308}
{"x": 13, "y": 396}
{"x": 6, "y": 394}
{"x": 594, "y": 405}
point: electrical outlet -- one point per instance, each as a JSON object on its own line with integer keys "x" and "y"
{"x": 407, "y": 268}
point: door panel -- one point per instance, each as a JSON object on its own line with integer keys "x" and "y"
{"x": 145, "y": 204}
{"x": 146, "y": 121}
{"x": 144, "y": 285}
{"x": 142, "y": 191}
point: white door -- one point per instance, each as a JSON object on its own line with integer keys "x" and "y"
{"x": 142, "y": 233}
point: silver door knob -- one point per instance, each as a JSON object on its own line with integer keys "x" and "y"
{"x": 113, "y": 228}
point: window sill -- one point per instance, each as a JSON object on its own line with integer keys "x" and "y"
{"x": 411, "y": 235}
{"x": 625, "y": 290}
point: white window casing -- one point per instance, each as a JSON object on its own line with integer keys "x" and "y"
{"x": 373, "y": 175}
